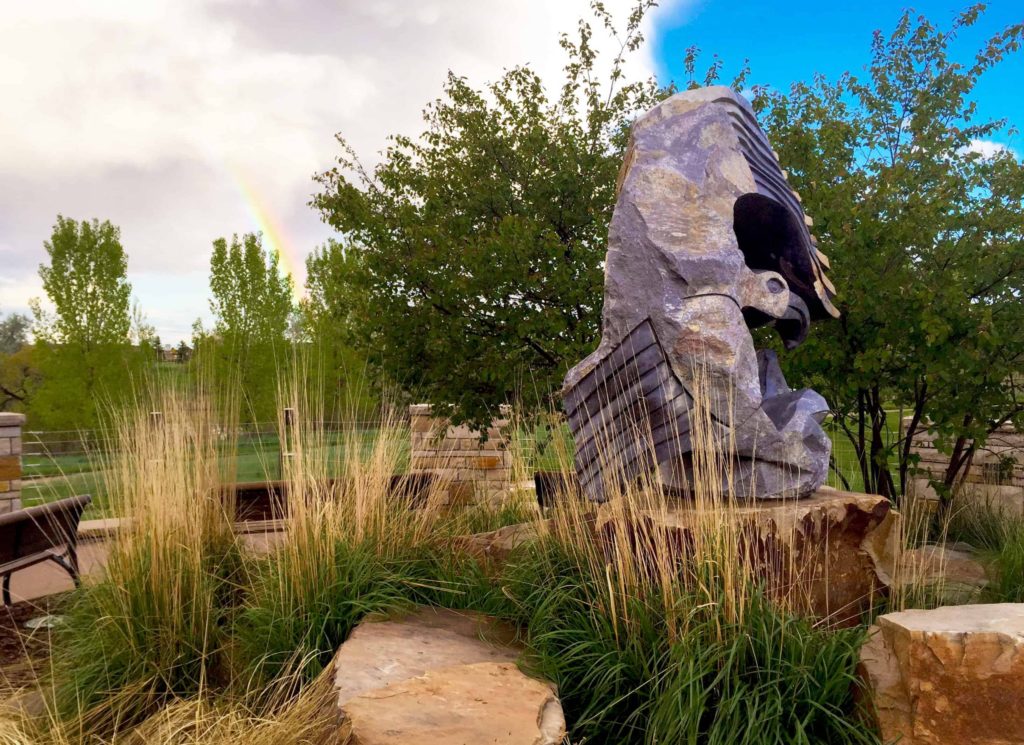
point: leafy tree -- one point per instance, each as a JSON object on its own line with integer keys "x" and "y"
{"x": 19, "y": 377}
{"x": 481, "y": 243}
{"x": 333, "y": 315}
{"x": 251, "y": 305}
{"x": 14, "y": 333}
{"x": 184, "y": 353}
{"x": 84, "y": 353}
{"x": 926, "y": 237}
{"x": 17, "y": 372}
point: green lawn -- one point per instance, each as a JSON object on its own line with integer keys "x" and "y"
{"x": 65, "y": 475}
{"x": 845, "y": 456}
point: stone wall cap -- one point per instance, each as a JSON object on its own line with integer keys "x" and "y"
{"x": 11, "y": 419}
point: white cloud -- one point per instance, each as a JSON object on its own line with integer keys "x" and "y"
{"x": 173, "y": 118}
{"x": 989, "y": 149}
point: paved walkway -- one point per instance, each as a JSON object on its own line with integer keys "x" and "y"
{"x": 48, "y": 578}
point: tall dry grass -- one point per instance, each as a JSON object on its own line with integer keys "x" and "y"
{"x": 152, "y": 628}
{"x": 282, "y": 718}
{"x": 652, "y": 634}
{"x": 657, "y": 630}
{"x": 354, "y": 544}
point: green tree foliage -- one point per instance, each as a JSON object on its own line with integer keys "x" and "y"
{"x": 184, "y": 353}
{"x": 251, "y": 304}
{"x": 333, "y": 315}
{"x": 481, "y": 243}
{"x": 926, "y": 237}
{"x": 84, "y": 353}
{"x": 17, "y": 372}
{"x": 14, "y": 333}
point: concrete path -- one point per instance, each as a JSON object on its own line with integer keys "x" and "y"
{"x": 94, "y": 541}
{"x": 48, "y": 578}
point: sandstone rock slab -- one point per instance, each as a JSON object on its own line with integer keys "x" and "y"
{"x": 952, "y": 572}
{"x": 949, "y": 676}
{"x": 486, "y": 702}
{"x": 378, "y": 653}
{"x": 441, "y": 676}
{"x": 495, "y": 546}
{"x": 831, "y": 556}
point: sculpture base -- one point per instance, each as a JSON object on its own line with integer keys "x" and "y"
{"x": 830, "y": 556}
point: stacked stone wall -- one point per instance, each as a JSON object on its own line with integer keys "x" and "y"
{"x": 10, "y": 461}
{"x": 478, "y": 469}
{"x": 996, "y": 475}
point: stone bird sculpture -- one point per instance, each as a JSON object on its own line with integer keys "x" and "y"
{"x": 707, "y": 241}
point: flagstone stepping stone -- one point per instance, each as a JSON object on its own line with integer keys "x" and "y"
{"x": 440, "y": 676}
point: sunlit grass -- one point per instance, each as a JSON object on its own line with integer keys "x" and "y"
{"x": 651, "y": 637}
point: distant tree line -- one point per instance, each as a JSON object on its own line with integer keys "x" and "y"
{"x": 94, "y": 350}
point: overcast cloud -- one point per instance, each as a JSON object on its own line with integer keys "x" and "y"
{"x": 184, "y": 120}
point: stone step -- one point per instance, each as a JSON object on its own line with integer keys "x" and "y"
{"x": 439, "y": 676}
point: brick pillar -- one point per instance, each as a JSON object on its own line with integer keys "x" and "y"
{"x": 10, "y": 461}
{"x": 478, "y": 471}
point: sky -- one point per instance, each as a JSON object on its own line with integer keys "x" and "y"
{"x": 185, "y": 120}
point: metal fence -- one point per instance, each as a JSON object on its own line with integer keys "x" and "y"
{"x": 62, "y": 452}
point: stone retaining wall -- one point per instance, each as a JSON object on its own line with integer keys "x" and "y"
{"x": 479, "y": 470}
{"x": 996, "y": 475}
{"x": 10, "y": 461}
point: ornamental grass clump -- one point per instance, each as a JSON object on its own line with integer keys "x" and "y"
{"x": 281, "y": 717}
{"x": 153, "y": 627}
{"x": 658, "y": 632}
{"x": 360, "y": 540}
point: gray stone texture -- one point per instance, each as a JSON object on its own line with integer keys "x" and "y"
{"x": 706, "y": 242}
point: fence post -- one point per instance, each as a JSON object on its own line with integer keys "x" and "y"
{"x": 288, "y": 438}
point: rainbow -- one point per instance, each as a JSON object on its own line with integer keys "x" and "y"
{"x": 273, "y": 234}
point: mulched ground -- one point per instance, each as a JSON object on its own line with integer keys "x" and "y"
{"x": 25, "y": 653}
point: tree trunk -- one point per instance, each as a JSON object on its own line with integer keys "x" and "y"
{"x": 921, "y": 395}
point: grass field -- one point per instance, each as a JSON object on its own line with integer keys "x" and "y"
{"x": 49, "y": 478}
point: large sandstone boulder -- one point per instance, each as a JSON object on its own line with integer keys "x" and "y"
{"x": 949, "y": 676}
{"x": 439, "y": 676}
{"x": 831, "y": 555}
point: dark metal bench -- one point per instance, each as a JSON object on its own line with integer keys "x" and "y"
{"x": 553, "y": 486}
{"x": 48, "y": 532}
{"x": 267, "y": 500}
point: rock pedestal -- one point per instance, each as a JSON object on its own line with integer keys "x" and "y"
{"x": 831, "y": 555}
{"x": 477, "y": 469}
{"x": 10, "y": 461}
{"x": 439, "y": 676}
{"x": 949, "y": 676}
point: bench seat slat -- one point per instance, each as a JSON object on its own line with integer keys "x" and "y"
{"x": 31, "y": 560}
